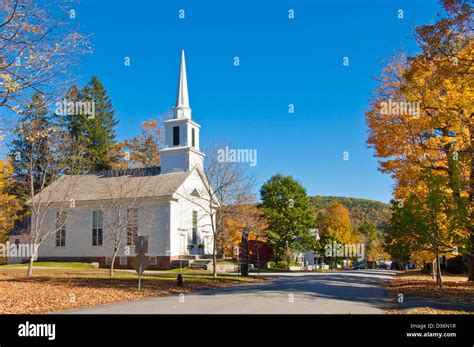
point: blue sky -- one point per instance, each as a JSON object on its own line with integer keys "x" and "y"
{"x": 282, "y": 62}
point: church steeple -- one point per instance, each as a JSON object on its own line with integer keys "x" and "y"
{"x": 181, "y": 132}
{"x": 182, "y": 109}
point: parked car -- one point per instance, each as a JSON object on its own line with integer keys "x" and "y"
{"x": 371, "y": 265}
{"x": 359, "y": 265}
{"x": 395, "y": 266}
{"x": 383, "y": 266}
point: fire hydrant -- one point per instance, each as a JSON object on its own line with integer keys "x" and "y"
{"x": 179, "y": 280}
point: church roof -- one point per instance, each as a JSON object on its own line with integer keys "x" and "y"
{"x": 115, "y": 184}
{"x": 22, "y": 227}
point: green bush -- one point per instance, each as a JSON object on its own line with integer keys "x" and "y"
{"x": 293, "y": 263}
{"x": 277, "y": 265}
{"x": 282, "y": 264}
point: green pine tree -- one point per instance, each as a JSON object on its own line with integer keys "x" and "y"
{"x": 92, "y": 131}
{"x": 75, "y": 141}
{"x": 100, "y": 129}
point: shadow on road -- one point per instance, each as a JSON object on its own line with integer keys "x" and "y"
{"x": 356, "y": 286}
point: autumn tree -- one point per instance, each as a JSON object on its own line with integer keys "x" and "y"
{"x": 239, "y": 216}
{"x": 427, "y": 223}
{"x": 39, "y": 46}
{"x": 43, "y": 158}
{"x": 430, "y": 129}
{"x": 9, "y": 204}
{"x": 37, "y": 154}
{"x": 226, "y": 183}
{"x": 123, "y": 194}
{"x": 290, "y": 218}
{"x": 143, "y": 149}
{"x": 334, "y": 225}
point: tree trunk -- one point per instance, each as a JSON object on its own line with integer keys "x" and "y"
{"x": 111, "y": 272}
{"x": 29, "y": 272}
{"x": 214, "y": 256}
{"x": 223, "y": 248}
{"x": 439, "y": 279}
{"x": 470, "y": 257}
{"x": 433, "y": 269}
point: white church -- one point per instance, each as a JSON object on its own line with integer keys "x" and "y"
{"x": 85, "y": 214}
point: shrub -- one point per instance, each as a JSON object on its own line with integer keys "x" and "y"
{"x": 282, "y": 264}
{"x": 293, "y": 263}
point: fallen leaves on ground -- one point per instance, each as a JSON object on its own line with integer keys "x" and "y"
{"x": 426, "y": 310}
{"x": 58, "y": 289}
{"x": 455, "y": 288}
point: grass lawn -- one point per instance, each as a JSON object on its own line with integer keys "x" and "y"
{"x": 69, "y": 265}
{"x": 75, "y": 285}
{"x": 414, "y": 283}
{"x": 186, "y": 270}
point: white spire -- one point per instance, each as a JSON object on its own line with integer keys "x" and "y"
{"x": 181, "y": 152}
{"x": 182, "y": 98}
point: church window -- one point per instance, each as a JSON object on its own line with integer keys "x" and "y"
{"x": 175, "y": 136}
{"x": 97, "y": 228}
{"x": 132, "y": 226}
{"x": 195, "y": 220}
{"x": 60, "y": 229}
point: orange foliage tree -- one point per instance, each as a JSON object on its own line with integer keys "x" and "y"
{"x": 143, "y": 149}
{"x": 428, "y": 128}
{"x": 237, "y": 218}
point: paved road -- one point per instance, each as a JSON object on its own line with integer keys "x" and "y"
{"x": 356, "y": 291}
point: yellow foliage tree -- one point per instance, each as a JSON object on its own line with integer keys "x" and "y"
{"x": 421, "y": 118}
{"x": 9, "y": 204}
{"x": 335, "y": 224}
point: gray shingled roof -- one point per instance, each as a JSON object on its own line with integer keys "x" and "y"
{"x": 22, "y": 227}
{"x": 110, "y": 186}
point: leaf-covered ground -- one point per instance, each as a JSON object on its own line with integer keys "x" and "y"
{"x": 422, "y": 295}
{"x": 59, "y": 289}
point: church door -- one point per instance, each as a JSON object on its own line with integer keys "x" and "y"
{"x": 183, "y": 244}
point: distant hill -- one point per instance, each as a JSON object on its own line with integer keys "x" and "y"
{"x": 360, "y": 209}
